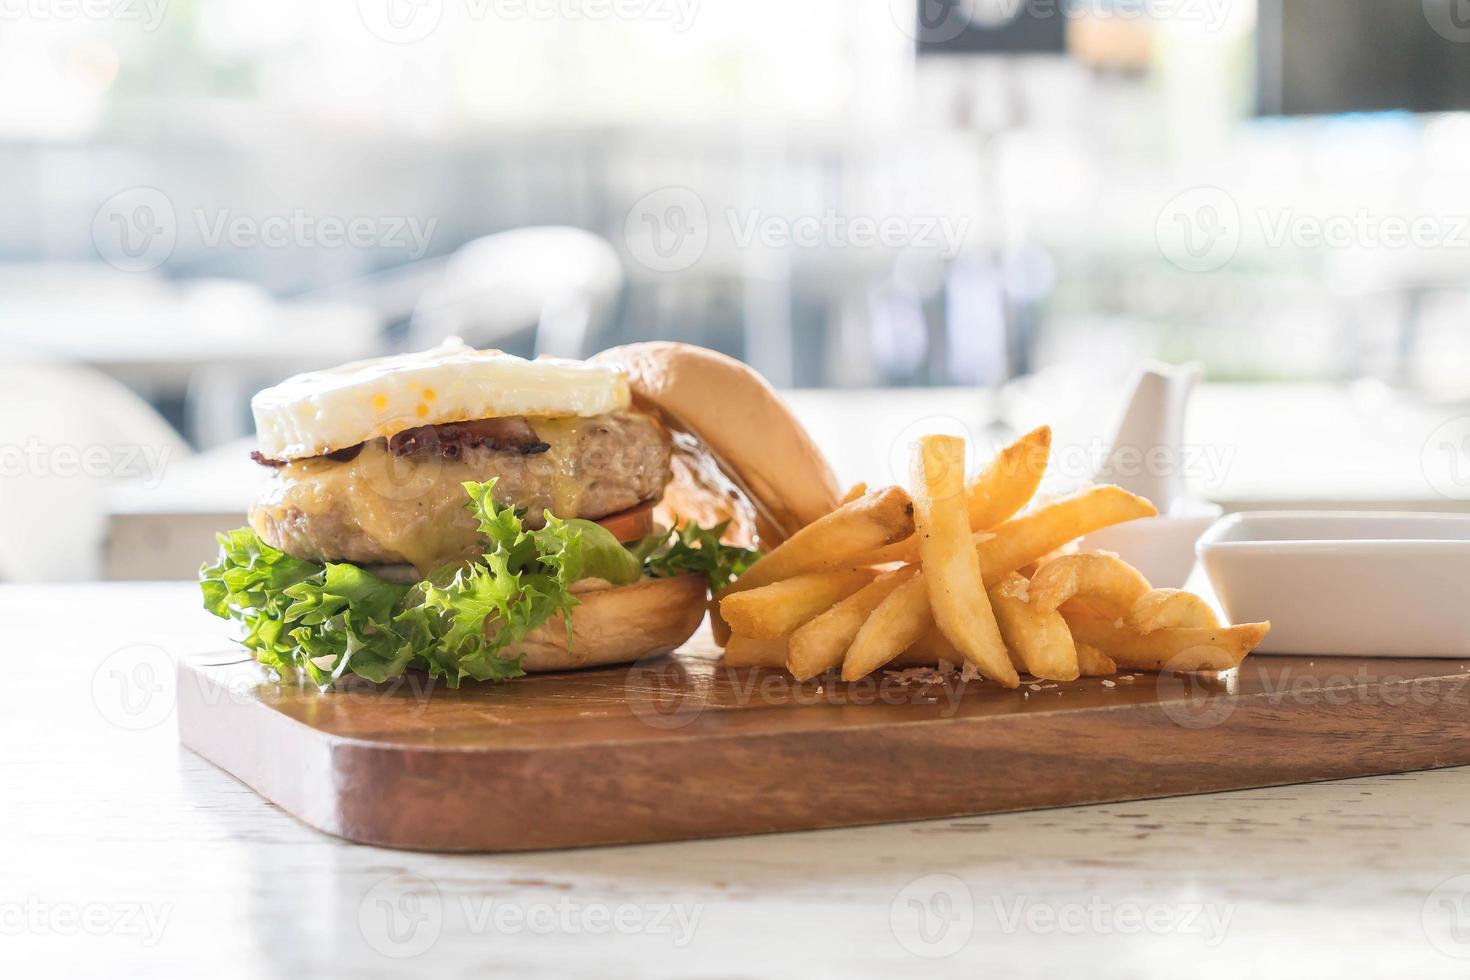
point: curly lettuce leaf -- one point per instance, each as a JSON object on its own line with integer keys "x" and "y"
{"x": 691, "y": 549}
{"x": 327, "y": 620}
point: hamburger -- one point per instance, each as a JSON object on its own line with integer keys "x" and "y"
{"x": 478, "y": 515}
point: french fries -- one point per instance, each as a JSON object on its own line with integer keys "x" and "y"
{"x": 821, "y": 644}
{"x": 778, "y": 609}
{"x": 1175, "y": 648}
{"x": 1106, "y": 581}
{"x": 746, "y": 651}
{"x": 959, "y": 603}
{"x": 1048, "y": 527}
{"x": 898, "y": 622}
{"x": 998, "y": 493}
{"x": 1092, "y": 662}
{"x": 951, "y": 575}
{"x": 1010, "y": 480}
{"x": 872, "y": 521}
{"x": 1038, "y": 637}
{"x": 1164, "y": 608}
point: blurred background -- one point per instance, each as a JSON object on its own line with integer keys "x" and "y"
{"x": 965, "y": 214}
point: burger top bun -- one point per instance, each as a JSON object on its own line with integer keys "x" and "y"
{"x": 739, "y": 452}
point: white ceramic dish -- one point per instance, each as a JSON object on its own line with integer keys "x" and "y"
{"x": 1162, "y": 548}
{"x": 1348, "y": 584}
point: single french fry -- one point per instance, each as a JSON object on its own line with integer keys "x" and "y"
{"x": 780, "y": 608}
{"x": 1038, "y": 637}
{"x": 865, "y": 525}
{"x": 718, "y": 628}
{"x": 1009, "y": 481}
{"x": 858, "y": 490}
{"x": 1006, "y": 484}
{"x": 897, "y": 624}
{"x": 959, "y": 603}
{"x": 1045, "y": 529}
{"x": 1106, "y": 581}
{"x": 747, "y": 651}
{"x": 929, "y": 650}
{"x": 1180, "y": 648}
{"x": 1165, "y": 608}
{"x": 821, "y": 644}
{"x": 1092, "y": 662}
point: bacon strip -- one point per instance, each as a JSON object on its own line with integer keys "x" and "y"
{"x": 451, "y": 438}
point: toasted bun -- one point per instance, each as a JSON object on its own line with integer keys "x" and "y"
{"x": 739, "y": 452}
{"x": 615, "y": 626}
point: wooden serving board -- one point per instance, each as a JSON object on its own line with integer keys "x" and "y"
{"x": 684, "y": 747}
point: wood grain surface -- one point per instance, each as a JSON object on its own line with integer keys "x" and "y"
{"x": 684, "y": 747}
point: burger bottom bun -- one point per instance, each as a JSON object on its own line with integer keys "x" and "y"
{"x": 616, "y": 626}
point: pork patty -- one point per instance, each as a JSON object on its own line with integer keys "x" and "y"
{"x": 381, "y": 507}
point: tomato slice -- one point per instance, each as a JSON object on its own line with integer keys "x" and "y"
{"x": 630, "y": 525}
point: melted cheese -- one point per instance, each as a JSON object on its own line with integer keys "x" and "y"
{"x": 317, "y": 413}
{"x": 407, "y": 505}
{"x": 566, "y": 489}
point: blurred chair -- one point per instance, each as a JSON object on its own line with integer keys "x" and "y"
{"x": 562, "y": 281}
{"x": 66, "y": 433}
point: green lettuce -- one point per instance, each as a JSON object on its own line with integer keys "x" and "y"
{"x": 326, "y": 620}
